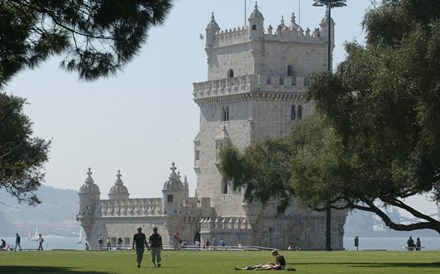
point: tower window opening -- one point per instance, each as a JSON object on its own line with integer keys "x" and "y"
{"x": 225, "y": 112}
{"x": 292, "y": 113}
{"x": 290, "y": 70}
{"x": 299, "y": 112}
{"x": 170, "y": 198}
{"x": 254, "y": 27}
{"x": 197, "y": 155}
{"x": 230, "y": 73}
{"x": 224, "y": 187}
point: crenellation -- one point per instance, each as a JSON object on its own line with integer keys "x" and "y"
{"x": 246, "y": 84}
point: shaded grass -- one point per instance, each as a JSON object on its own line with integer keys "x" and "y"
{"x": 316, "y": 262}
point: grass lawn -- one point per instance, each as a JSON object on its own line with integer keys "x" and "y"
{"x": 201, "y": 262}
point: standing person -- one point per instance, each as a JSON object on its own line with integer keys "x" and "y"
{"x": 87, "y": 247}
{"x": 40, "y": 242}
{"x": 17, "y": 241}
{"x": 141, "y": 241}
{"x": 119, "y": 243}
{"x": 100, "y": 242}
{"x": 155, "y": 247}
{"x": 176, "y": 241}
{"x": 418, "y": 244}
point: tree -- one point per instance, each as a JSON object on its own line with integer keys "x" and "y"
{"x": 374, "y": 139}
{"x": 21, "y": 155}
{"x": 96, "y": 38}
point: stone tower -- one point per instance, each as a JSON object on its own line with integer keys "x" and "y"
{"x": 255, "y": 89}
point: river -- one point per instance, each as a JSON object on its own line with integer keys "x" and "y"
{"x": 365, "y": 243}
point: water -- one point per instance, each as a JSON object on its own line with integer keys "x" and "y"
{"x": 390, "y": 243}
{"x": 365, "y": 243}
{"x": 50, "y": 242}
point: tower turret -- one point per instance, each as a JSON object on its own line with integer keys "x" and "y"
{"x": 173, "y": 193}
{"x": 89, "y": 196}
{"x": 118, "y": 191}
{"x": 211, "y": 30}
{"x": 324, "y": 29}
{"x": 256, "y": 24}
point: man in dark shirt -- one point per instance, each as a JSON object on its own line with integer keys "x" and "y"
{"x": 141, "y": 241}
{"x": 17, "y": 242}
{"x": 155, "y": 247}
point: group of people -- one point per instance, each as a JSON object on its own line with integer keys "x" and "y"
{"x": 154, "y": 244}
{"x": 410, "y": 245}
{"x": 4, "y": 246}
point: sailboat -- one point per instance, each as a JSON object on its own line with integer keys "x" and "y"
{"x": 35, "y": 236}
{"x": 79, "y": 241}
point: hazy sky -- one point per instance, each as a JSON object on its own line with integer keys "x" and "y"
{"x": 143, "y": 119}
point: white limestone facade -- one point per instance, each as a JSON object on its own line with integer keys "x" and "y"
{"x": 255, "y": 89}
{"x": 256, "y": 84}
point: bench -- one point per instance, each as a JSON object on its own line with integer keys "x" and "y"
{"x": 413, "y": 248}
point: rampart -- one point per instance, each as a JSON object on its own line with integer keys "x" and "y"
{"x": 248, "y": 83}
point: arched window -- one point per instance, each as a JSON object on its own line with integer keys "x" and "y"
{"x": 299, "y": 112}
{"x": 224, "y": 189}
{"x": 225, "y": 112}
{"x": 290, "y": 70}
{"x": 254, "y": 27}
{"x": 170, "y": 198}
{"x": 230, "y": 73}
{"x": 292, "y": 113}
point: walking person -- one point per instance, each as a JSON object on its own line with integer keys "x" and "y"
{"x": 155, "y": 241}
{"x": 141, "y": 242}
{"x": 40, "y": 242}
{"x": 17, "y": 242}
{"x": 176, "y": 241}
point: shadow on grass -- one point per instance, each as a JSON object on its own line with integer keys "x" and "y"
{"x": 381, "y": 265}
{"x": 42, "y": 269}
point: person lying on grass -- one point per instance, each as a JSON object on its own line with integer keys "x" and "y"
{"x": 280, "y": 264}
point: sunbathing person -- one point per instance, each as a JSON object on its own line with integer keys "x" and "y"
{"x": 280, "y": 264}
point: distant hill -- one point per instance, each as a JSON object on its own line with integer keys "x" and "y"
{"x": 55, "y": 215}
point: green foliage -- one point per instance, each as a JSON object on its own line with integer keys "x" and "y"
{"x": 374, "y": 138}
{"x": 96, "y": 38}
{"x": 262, "y": 169}
{"x": 21, "y": 155}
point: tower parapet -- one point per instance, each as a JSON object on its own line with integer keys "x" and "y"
{"x": 255, "y": 31}
{"x": 132, "y": 207}
{"x": 249, "y": 84}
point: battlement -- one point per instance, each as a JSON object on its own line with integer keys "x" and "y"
{"x": 247, "y": 84}
{"x": 212, "y": 225}
{"x": 285, "y": 34}
{"x": 131, "y": 207}
{"x": 232, "y": 36}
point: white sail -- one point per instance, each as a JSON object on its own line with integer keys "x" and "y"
{"x": 35, "y": 236}
{"x": 79, "y": 241}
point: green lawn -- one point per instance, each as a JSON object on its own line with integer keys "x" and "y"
{"x": 194, "y": 262}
